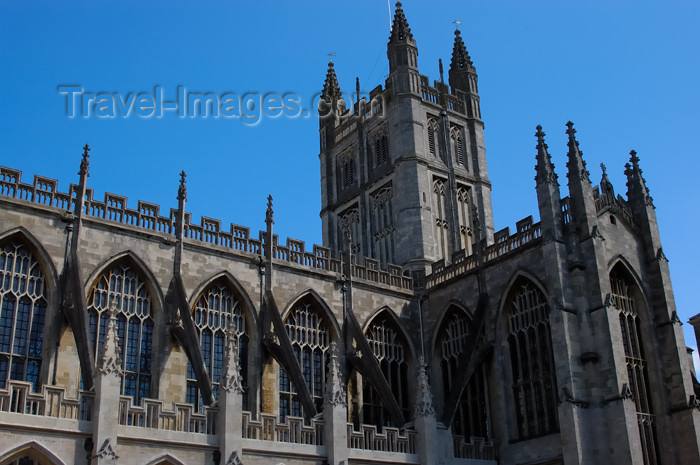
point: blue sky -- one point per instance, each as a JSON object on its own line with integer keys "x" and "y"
{"x": 625, "y": 72}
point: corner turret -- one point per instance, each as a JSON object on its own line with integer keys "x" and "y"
{"x": 463, "y": 78}
{"x": 403, "y": 56}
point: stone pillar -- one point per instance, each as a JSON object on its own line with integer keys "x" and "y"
{"x": 230, "y": 419}
{"x": 335, "y": 413}
{"x": 105, "y": 409}
{"x": 428, "y": 442}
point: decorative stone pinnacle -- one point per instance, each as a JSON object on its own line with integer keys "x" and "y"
{"x": 269, "y": 214}
{"x": 603, "y": 169}
{"x": 182, "y": 191}
{"x": 231, "y": 379}
{"x": 335, "y": 393}
{"x": 84, "y": 163}
{"x": 331, "y": 88}
{"x": 400, "y": 29}
{"x": 576, "y": 165}
{"x": 636, "y": 184}
{"x": 544, "y": 166}
{"x": 460, "y": 56}
{"x": 424, "y": 398}
{"x": 108, "y": 361}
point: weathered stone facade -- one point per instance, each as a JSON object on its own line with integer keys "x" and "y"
{"x": 135, "y": 336}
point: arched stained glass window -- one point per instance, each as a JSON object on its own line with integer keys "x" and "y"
{"x": 122, "y": 283}
{"x": 532, "y": 362}
{"x": 471, "y": 418}
{"x": 214, "y": 311}
{"x": 626, "y": 296}
{"x": 22, "y": 313}
{"x": 390, "y": 349}
{"x": 308, "y": 331}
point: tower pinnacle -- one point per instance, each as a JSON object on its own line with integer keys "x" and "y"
{"x": 399, "y": 29}
{"x": 460, "y": 56}
{"x": 544, "y": 167}
{"x": 576, "y": 165}
{"x": 331, "y": 88}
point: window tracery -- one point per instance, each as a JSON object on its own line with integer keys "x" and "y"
{"x": 134, "y": 325}
{"x": 463, "y": 210}
{"x": 440, "y": 215}
{"x": 216, "y": 308}
{"x": 390, "y": 350}
{"x": 22, "y": 313}
{"x": 471, "y": 418}
{"x": 626, "y": 300}
{"x": 458, "y": 146}
{"x": 308, "y": 332}
{"x": 383, "y": 224}
{"x": 432, "y": 137}
{"x": 532, "y": 362}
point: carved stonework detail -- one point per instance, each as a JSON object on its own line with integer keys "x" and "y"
{"x": 108, "y": 361}
{"x": 231, "y": 379}
{"x": 596, "y": 234}
{"x": 424, "y": 398}
{"x": 566, "y": 396}
{"x": 106, "y": 452}
{"x": 660, "y": 255}
{"x": 335, "y": 392}
{"x": 626, "y": 392}
{"x": 234, "y": 459}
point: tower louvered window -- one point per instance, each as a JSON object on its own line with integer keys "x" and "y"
{"x": 125, "y": 286}
{"x": 381, "y": 150}
{"x": 458, "y": 146}
{"x": 389, "y": 348}
{"x": 626, "y": 301}
{"x": 216, "y": 310}
{"x": 347, "y": 171}
{"x": 308, "y": 332}
{"x": 22, "y": 313}
{"x": 471, "y": 418}
{"x": 440, "y": 217}
{"x": 432, "y": 137}
{"x": 382, "y": 226}
{"x": 532, "y": 362}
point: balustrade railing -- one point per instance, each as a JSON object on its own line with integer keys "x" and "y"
{"x": 293, "y": 430}
{"x": 389, "y": 440}
{"x": 18, "y": 397}
{"x": 151, "y": 414}
{"x": 475, "y": 448}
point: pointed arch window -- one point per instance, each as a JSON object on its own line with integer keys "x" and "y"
{"x": 122, "y": 283}
{"x": 308, "y": 331}
{"x": 471, "y": 418}
{"x": 347, "y": 170}
{"x": 22, "y": 313}
{"x": 627, "y": 299}
{"x": 532, "y": 361}
{"x": 382, "y": 224}
{"x": 432, "y": 137}
{"x": 440, "y": 215}
{"x": 390, "y": 350}
{"x": 216, "y": 308}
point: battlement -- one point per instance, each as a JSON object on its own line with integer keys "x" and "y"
{"x": 44, "y": 191}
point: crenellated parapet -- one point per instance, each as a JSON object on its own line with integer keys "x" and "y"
{"x": 44, "y": 191}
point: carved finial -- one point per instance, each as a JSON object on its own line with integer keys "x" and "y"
{"x": 331, "y": 88}
{"x": 231, "y": 379}
{"x": 603, "y": 169}
{"x": 269, "y": 214}
{"x": 400, "y": 29}
{"x": 606, "y": 187}
{"x": 460, "y": 56}
{"x": 182, "y": 191}
{"x": 335, "y": 392}
{"x": 424, "y": 398}
{"x": 108, "y": 361}
{"x": 576, "y": 165}
{"x": 544, "y": 166}
{"x": 84, "y": 163}
{"x": 636, "y": 184}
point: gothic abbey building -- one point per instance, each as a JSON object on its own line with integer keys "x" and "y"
{"x": 416, "y": 335}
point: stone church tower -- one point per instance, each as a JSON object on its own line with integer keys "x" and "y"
{"x": 405, "y": 171}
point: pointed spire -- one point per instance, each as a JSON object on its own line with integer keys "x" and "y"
{"x": 576, "y": 165}
{"x": 544, "y": 167}
{"x": 335, "y": 393}
{"x": 606, "y": 187}
{"x": 331, "y": 88}
{"x": 108, "y": 360}
{"x": 231, "y": 379}
{"x": 399, "y": 29}
{"x": 460, "y": 56}
{"x": 182, "y": 190}
{"x": 424, "y": 398}
{"x": 84, "y": 163}
{"x": 636, "y": 184}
